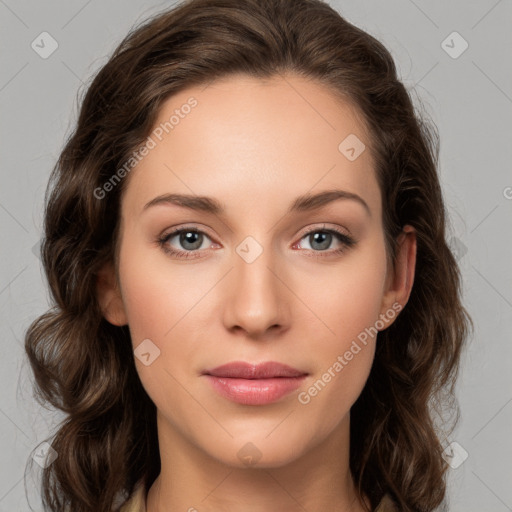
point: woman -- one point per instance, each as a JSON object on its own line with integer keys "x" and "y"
{"x": 293, "y": 357}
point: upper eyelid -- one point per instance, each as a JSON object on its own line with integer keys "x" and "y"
{"x": 326, "y": 227}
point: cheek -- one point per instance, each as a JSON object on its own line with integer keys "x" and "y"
{"x": 349, "y": 299}
{"x": 160, "y": 312}
{"x": 156, "y": 300}
{"x": 349, "y": 303}
{"x": 164, "y": 307}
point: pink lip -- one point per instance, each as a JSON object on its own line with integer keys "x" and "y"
{"x": 250, "y": 384}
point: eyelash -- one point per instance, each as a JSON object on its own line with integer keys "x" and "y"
{"x": 346, "y": 240}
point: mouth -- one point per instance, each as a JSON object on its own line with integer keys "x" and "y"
{"x": 251, "y": 384}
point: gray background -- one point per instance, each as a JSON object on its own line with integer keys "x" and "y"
{"x": 470, "y": 100}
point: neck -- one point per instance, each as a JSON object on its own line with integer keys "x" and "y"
{"x": 191, "y": 480}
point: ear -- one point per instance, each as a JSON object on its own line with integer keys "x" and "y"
{"x": 400, "y": 278}
{"x": 109, "y": 296}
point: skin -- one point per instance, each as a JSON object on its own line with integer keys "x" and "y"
{"x": 255, "y": 146}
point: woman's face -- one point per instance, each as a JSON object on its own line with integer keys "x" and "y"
{"x": 267, "y": 276}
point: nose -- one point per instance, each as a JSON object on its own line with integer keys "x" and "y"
{"x": 256, "y": 298}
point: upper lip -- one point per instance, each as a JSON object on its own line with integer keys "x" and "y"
{"x": 244, "y": 370}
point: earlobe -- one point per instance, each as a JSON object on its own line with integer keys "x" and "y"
{"x": 109, "y": 296}
{"x": 401, "y": 278}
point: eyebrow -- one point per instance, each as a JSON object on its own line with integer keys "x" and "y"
{"x": 306, "y": 202}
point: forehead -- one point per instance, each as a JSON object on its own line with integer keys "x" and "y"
{"x": 246, "y": 140}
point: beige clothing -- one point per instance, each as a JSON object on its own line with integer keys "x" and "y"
{"x": 137, "y": 503}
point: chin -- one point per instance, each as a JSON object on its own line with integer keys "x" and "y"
{"x": 258, "y": 452}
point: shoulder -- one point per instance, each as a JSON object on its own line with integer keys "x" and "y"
{"x": 137, "y": 501}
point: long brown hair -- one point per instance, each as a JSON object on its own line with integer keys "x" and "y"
{"x": 85, "y": 366}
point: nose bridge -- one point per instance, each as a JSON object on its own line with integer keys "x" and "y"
{"x": 256, "y": 302}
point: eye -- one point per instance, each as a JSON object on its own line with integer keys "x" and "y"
{"x": 187, "y": 243}
{"x": 321, "y": 239}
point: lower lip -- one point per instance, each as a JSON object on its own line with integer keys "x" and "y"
{"x": 255, "y": 391}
